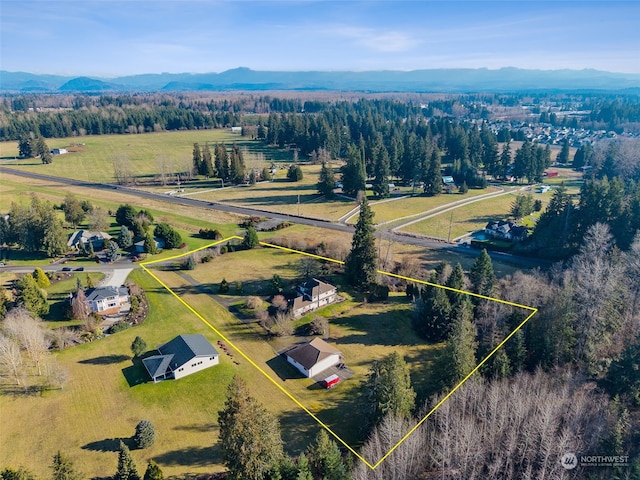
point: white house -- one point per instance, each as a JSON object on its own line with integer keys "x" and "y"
{"x": 182, "y": 356}
{"x": 313, "y": 357}
{"x": 312, "y": 295}
{"x": 107, "y": 300}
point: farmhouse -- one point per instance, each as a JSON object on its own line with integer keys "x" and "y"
{"x": 182, "y": 356}
{"x": 312, "y": 295}
{"x": 313, "y": 357}
{"x": 107, "y": 300}
{"x": 85, "y": 237}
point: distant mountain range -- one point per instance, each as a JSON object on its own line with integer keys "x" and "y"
{"x": 440, "y": 80}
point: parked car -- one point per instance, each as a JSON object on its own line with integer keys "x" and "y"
{"x": 80, "y": 269}
{"x": 66, "y": 269}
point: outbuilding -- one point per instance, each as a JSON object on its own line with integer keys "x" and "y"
{"x": 313, "y": 357}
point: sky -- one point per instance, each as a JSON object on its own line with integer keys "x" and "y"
{"x": 112, "y": 38}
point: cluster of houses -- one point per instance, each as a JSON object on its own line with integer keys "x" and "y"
{"x": 187, "y": 354}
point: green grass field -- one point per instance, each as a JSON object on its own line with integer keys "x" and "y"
{"x": 104, "y": 399}
{"x": 280, "y": 195}
{"x": 388, "y": 211}
{"x": 144, "y": 153}
{"x": 468, "y": 218}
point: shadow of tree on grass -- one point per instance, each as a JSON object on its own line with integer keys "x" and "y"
{"x": 105, "y": 360}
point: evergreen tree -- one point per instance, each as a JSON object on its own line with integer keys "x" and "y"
{"x": 26, "y": 147}
{"x": 433, "y": 175}
{"x": 145, "y": 435}
{"x": 126, "y": 215}
{"x": 362, "y": 262}
{"x": 251, "y": 239}
{"x": 172, "y": 239}
{"x": 563, "y": 156}
{"x": 197, "y": 159}
{"x": 326, "y": 459}
{"x": 623, "y": 377}
{"x": 41, "y": 278}
{"x": 150, "y": 244}
{"x": 249, "y": 435}
{"x": 303, "y": 468}
{"x": 20, "y": 474}
{"x": 42, "y": 150}
{"x": 237, "y": 169}
{"x": 63, "y": 468}
{"x": 294, "y": 173}
{"x": 505, "y": 161}
{"x": 482, "y": 276}
{"x": 222, "y": 161}
{"x": 459, "y": 356}
{"x": 353, "y": 173}
{"x": 456, "y": 280}
{"x": 30, "y": 296}
{"x": 125, "y": 239}
{"x": 138, "y": 346}
{"x": 206, "y": 167}
{"x": 388, "y": 389}
{"x": 113, "y": 251}
{"x": 153, "y": 472}
{"x": 381, "y": 172}
{"x": 126, "y": 466}
{"x": 327, "y": 181}
{"x": 432, "y": 318}
{"x": 583, "y": 156}
{"x": 522, "y": 206}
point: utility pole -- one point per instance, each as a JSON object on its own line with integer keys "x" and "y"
{"x": 298, "y": 204}
{"x": 450, "y": 222}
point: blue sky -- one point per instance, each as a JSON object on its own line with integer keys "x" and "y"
{"x": 111, "y": 38}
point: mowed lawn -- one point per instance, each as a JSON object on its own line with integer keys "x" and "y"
{"x": 363, "y": 332}
{"x": 143, "y": 153}
{"x": 468, "y": 218}
{"x": 98, "y": 406}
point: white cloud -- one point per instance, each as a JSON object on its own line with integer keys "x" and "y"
{"x": 376, "y": 40}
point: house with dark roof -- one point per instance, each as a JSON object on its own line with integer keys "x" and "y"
{"x": 182, "y": 356}
{"x": 313, "y": 357}
{"x": 504, "y": 230}
{"x": 107, "y": 300}
{"x": 312, "y": 295}
{"x": 82, "y": 238}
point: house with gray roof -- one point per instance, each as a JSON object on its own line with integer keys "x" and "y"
{"x": 182, "y": 356}
{"x": 107, "y": 300}
{"x": 82, "y": 238}
{"x": 312, "y": 295}
{"x": 314, "y": 357}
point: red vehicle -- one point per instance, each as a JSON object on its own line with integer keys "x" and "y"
{"x": 331, "y": 381}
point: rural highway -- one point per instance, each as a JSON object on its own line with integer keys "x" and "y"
{"x": 326, "y": 224}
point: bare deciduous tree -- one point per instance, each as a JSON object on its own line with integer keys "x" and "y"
{"x": 11, "y": 358}
{"x": 30, "y": 334}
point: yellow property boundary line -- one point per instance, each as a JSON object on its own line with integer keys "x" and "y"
{"x": 286, "y": 392}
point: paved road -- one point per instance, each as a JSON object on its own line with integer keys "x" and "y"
{"x": 392, "y": 236}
